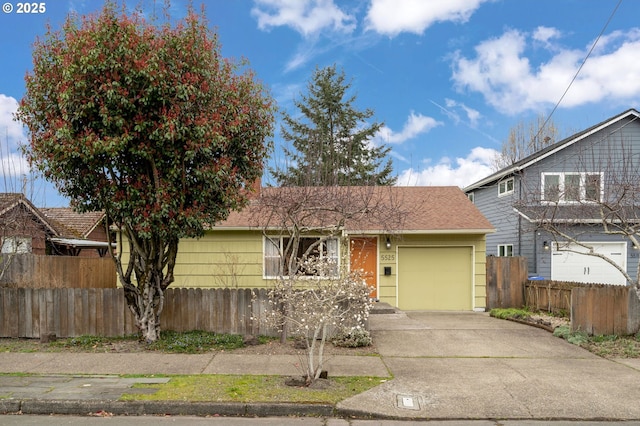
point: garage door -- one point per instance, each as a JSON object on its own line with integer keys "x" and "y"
{"x": 435, "y": 278}
{"x": 569, "y": 266}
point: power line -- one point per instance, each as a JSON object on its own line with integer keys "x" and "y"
{"x": 593, "y": 46}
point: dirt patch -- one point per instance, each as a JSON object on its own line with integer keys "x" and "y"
{"x": 133, "y": 346}
{"x": 545, "y": 321}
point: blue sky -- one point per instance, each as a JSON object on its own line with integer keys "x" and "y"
{"x": 449, "y": 78}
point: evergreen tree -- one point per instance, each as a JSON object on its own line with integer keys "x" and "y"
{"x": 331, "y": 142}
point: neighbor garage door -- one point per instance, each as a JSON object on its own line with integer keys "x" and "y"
{"x": 435, "y": 278}
{"x": 569, "y": 266}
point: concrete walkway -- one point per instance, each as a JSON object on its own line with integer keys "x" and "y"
{"x": 444, "y": 366}
{"x": 472, "y": 366}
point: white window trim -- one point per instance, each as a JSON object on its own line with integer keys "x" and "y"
{"x": 506, "y": 183}
{"x": 268, "y": 239}
{"x": 505, "y": 246}
{"x": 583, "y": 187}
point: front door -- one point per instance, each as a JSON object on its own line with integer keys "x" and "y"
{"x": 364, "y": 256}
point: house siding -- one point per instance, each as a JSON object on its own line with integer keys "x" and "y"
{"x": 607, "y": 150}
{"x": 234, "y": 259}
{"x": 499, "y": 211}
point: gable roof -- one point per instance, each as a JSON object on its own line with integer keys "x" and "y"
{"x": 9, "y": 201}
{"x": 72, "y": 224}
{"x": 383, "y": 209}
{"x": 551, "y": 149}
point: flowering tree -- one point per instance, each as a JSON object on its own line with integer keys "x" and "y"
{"x": 153, "y": 126}
{"x": 317, "y": 306}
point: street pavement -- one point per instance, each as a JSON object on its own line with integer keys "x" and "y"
{"x": 438, "y": 366}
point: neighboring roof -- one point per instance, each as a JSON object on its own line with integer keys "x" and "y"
{"x": 416, "y": 209}
{"x": 551, "y": 149}
{"x": 9, "y": 201}
{"x": 72, "y": 224}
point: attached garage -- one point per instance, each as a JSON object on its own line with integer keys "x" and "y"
{"x": 435, "y": 278}
{"x": 571, "y": 266}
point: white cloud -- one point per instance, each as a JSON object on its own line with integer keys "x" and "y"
{"x": 12, "y": 163}
{"x": 9, "y": 128}
{"x": 473, "y": 116}
{"x": 503, "y": 74}
{"x": 416, "y": 124}
{"x": 545, "y": 34}
{"x": 308, "y": 17}
{"x": 462, "y": 172}
{"x": 391, "y": 17}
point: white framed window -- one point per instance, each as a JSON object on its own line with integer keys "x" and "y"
{"x": 277, "y": 254}
{"x": 471, "y": 197}
{"x": 505, "y": 187}
{"x": 571, "y": 187}
{"x": 505, "y": 250}
{"x": 16, "y": 245}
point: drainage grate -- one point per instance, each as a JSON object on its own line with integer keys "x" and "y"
{"x": 408, "y": 402}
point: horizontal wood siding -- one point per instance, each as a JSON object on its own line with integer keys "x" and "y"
{"x": 34, "y": 271}
{"x": 219, "y": 259}
{"x": 72, "y": 312}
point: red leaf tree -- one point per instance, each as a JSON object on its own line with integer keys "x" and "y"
{"x": 150, "y": 124}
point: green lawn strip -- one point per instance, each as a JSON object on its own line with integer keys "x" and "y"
{"x": 251, "y": 388}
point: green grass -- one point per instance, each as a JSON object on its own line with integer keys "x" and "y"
{"x": 231, "y": 388}
{"x": 503, "y": 313}
{"x": 196, "y": 341}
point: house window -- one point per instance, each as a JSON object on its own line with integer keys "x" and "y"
{"x": 471, "y": 197}
{"x": 16, "y": 245}
{"x": 505, "y": 187}
{"x": 505, "y": 250}
{"x": 592, "y": 187}
{"x": 277, "y": 254}
{"x": 571, "y": 187}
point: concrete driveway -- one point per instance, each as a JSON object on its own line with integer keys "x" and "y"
{"x": 468, "y": 365}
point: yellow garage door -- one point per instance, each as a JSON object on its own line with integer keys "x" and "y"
{"x": 435, "y": 278}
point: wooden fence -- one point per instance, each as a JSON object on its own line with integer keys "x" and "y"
{"x": 72, "y": 312}
{"x": 33, "y": 271}
{"x": 550, "y": 296}
{"x": 605, "y": 309}
{"x": 595, "y": 309}
{"x": 505, "y": 281}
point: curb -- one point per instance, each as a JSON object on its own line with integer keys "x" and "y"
{"x": 140, "y": 408}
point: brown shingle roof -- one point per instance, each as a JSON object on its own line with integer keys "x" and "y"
{"x": 71, "y": 224}
{"x": 385, "y": 209}
{"x": 9, "y": 201}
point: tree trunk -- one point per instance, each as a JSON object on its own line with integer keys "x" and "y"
{"x": 151, "y": 263}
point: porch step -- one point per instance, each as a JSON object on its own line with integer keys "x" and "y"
{"x": 382, "y": 308}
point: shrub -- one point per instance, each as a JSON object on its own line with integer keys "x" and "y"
{"x": 355, "y": 337}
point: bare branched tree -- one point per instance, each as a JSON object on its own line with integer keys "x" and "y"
{"x": 525, "y": 139}
{"x": 306, "y": 230}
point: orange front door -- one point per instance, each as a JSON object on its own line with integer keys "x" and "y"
{"x": 364, "y": 256}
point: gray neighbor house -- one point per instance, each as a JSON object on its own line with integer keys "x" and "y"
{"x": 571, "y": 197}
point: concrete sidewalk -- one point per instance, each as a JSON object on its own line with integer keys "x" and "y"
{"x": 445, "y": 366}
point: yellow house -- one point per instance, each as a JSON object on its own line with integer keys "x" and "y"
{"x": 421, "y": 248}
